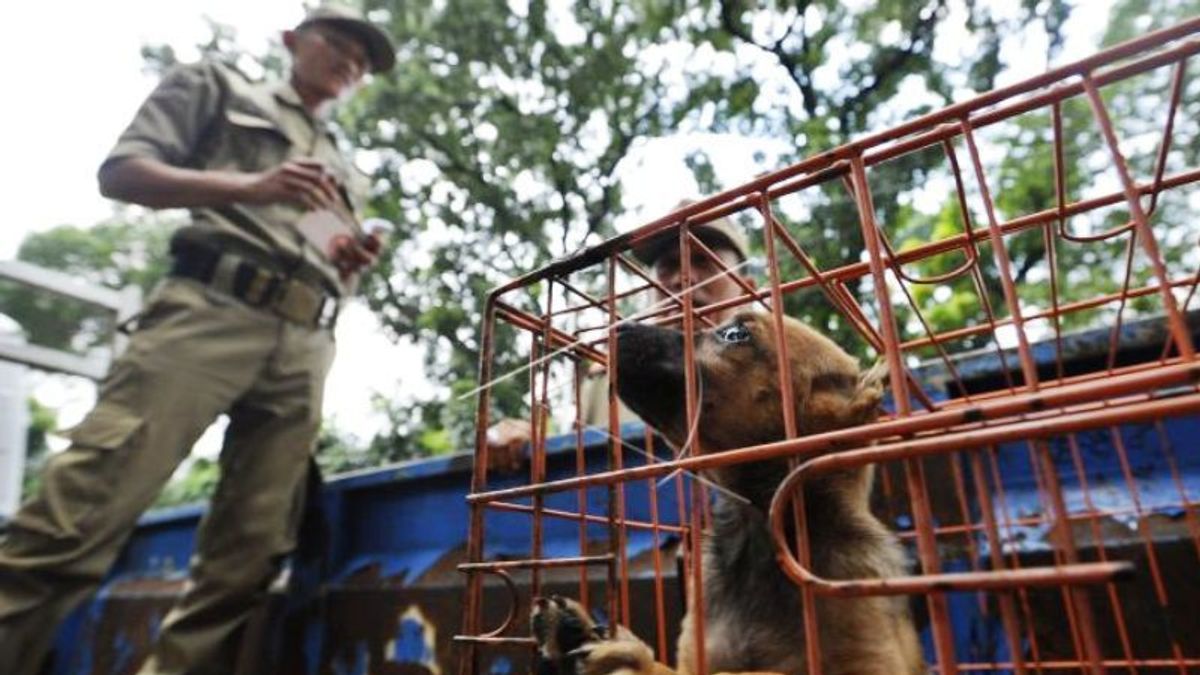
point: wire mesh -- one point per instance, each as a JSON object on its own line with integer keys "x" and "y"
{"x": 1031, "y": 298}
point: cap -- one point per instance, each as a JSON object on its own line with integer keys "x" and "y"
{"x": 720, "y": 232}
{"x": 380, "y": 51}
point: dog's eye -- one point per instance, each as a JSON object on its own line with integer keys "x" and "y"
{"x": 733, "y": 334}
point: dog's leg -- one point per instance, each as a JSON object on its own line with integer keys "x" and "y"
{"x": 619, "y": 657}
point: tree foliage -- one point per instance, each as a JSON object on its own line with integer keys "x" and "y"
{"x": 197, "y": 484}
{"x": 497, "y": 142}
{"x": 497, "y": 139}
{"x": 1077, "y": 261}
{"x": 42, "y": 422}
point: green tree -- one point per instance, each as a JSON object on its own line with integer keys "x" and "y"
{"x": 1084, "y": 267}
{"x": 42, "y": 422}
{"x": 1134, "y": 18}
{"x": 196, "y": 485}
{"x": 496, "y": 140}
{"x": 828, "y": 72}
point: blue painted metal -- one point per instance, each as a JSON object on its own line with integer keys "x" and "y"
{"x": 390, "y": 600}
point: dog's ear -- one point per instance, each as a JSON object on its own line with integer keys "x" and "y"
{"x": 840, "y": 399}
{"x": 875, "y": 377}
{"x": 869, "y": 394}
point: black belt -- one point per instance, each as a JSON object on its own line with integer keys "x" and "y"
{"x": 255, "y": 284}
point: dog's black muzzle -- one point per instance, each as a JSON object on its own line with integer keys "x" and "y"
{"x": 650, "y": 377}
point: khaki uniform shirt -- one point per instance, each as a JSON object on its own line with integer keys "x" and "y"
{"x": 209, "y": 116}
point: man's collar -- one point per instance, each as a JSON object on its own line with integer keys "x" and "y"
{"x": 285, "y": 93}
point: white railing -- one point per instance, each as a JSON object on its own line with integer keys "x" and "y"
{"x": 16, "y": 356}
{"x": 123, "y": 303}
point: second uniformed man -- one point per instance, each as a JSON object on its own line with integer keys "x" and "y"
{"x": 711, "y": 284}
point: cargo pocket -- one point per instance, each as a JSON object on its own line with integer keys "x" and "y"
{"x": 80, "y": 484}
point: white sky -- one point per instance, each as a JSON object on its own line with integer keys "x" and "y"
{"x": 72, "y": 77}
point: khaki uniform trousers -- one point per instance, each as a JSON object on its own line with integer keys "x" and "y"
{"x": 195, "y": 355}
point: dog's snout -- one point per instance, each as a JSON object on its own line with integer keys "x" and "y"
{"x": 650, "y": 368}
{"x": 640, "y": 337}
{"x": 636, "y": 330}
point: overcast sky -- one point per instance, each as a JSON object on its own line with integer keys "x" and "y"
{"x": 72, "y": 74}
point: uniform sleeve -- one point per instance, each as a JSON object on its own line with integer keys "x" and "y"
{"x": 172, "y": 120}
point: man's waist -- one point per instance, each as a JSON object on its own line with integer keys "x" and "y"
{"x": 257, "y": 281}
{"x": 277, "y": 246}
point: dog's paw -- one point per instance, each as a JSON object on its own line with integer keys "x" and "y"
{"x": 570, "y": 642}
{"x": 619, "y": 656}
{"x": 561, "y": 625}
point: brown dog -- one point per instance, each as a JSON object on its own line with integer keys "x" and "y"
{"x": 753, "y": 615}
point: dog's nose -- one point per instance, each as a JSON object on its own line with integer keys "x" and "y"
{"x": 541, "y": 602}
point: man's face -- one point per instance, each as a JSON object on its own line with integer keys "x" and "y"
{"x": 703, "y": 269}
{"x": 326, "y": 60}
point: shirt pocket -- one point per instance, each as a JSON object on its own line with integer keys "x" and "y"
{"x": 250, "y": 141}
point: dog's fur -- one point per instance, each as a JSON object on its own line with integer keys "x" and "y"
{"x": 753, "y": 614}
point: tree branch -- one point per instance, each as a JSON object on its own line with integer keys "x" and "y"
{"x": 893, "y": 63}
{"x": 794, "y": 66}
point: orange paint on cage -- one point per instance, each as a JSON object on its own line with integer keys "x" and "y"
{"x": 1046, "y": 501}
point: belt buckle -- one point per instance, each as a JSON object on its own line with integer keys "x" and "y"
{"x": 259, "y": 289}
{"x": 298, "y": 302}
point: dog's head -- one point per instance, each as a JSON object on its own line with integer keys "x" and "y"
{"x": 739, "y": 381}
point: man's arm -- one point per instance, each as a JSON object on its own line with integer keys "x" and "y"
{"x": 151, "y": 182}
{"x": 506, "y": 441}
{"x": 151, "y": 163}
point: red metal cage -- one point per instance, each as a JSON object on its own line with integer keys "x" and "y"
{"x": 1039, "y": 443}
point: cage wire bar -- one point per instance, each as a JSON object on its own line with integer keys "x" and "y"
{"x": 1060, "y": 603}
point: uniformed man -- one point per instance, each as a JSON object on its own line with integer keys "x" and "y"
{"x": 244, "y": 326}
{"x": 508, "y": 437}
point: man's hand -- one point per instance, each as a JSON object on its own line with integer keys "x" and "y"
{"x": 506, "y": 441}
{"x": 351, "y": 255}
{"x": 299, "y": 181}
